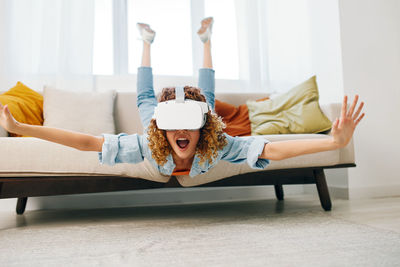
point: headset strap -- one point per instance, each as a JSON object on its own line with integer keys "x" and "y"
{"x": 179, "y": 94}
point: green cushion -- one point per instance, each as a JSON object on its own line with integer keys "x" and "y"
{"x": 296, "y": 111}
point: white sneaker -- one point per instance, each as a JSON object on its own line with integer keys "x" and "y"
{"x": 206, "y": 29}
{"x": 146, "y": 32}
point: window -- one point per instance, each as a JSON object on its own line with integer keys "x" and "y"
{"x": 261, "y": 46}
{"x": 224, "y": 40}
{"x": 103, "y": 41}
{"x": 172, "y": 51}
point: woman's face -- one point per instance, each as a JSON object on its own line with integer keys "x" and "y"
{"x": 183, "y": 142}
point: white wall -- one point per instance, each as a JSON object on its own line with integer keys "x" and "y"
{"x": 370, "y": 35}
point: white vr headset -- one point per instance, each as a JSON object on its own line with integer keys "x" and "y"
{"x": 181, "y": 114}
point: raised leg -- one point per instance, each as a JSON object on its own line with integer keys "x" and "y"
{"x": 206, "y": 73}
{"x": 21, "y": 205}
{"x": 146, "y": 58}
{"x": 207, "y": 59}
{"x": 322, "y": 188}
{"x": 146, "y": 97}
{"x": 147, "y": 35}
{"x": 279, "y": 191}
{"x": 205, "y": 35}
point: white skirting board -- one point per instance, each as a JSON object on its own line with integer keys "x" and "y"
{"x": 334, "y": 191}
{"x": 358, "y": 192}
{"x": 390, "y": 190}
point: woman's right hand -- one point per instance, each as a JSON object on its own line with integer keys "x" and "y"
{"x": 7, "y": 121}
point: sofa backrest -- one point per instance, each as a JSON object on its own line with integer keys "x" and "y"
{"x": 126, "y": 113}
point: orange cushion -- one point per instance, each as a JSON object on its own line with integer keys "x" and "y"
{"x": 236, "y": 118}
{"x": 176, "y": 173}
{"x": 25, "y": 104}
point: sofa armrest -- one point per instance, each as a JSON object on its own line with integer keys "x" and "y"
{"x": 331, "y": 110}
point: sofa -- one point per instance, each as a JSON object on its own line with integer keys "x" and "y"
{"x": 31, "y": 167}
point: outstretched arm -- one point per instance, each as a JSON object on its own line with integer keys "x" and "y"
{"x": 342, "y": 132}
{"x": 76, "y": 140}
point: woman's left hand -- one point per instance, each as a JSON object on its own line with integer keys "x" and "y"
{"x": 343, "y": 128}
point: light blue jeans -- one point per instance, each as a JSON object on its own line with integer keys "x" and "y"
{"x": 146, "y": 98}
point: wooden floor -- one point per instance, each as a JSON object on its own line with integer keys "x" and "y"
{"x": 383, "y": 213}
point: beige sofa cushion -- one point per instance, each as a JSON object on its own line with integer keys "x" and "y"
{"x": 45, "y": 158}
{"x": 35, "y": 157}
{"x": 226, "y": 169}
{"x": 85, "y": 112}
{"x": 31, "y": 156}
{"x": 28, "y": 156}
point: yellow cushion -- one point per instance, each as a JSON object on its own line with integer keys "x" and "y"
{"x": 296, "y": 111}
{"x": 25, "y": 104}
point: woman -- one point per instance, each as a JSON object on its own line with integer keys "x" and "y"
{"x": 191, "y": 150}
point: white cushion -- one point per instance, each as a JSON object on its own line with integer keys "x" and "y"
{"x": 85, "y": 112}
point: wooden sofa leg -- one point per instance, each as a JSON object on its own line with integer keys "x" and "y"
{"x": 322, "y": 188}
{"x": 279, "y": 191}
{"x": 21, "y": 205}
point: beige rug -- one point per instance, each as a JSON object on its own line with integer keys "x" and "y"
{"x": 195, "y": 235}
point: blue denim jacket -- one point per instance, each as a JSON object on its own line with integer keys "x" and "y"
{"x": 123, "y": 148}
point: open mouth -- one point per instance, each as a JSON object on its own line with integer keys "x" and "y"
{"x": 182, "y": 143}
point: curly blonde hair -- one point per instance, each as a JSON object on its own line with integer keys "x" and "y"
{"x": 211, "y": 139}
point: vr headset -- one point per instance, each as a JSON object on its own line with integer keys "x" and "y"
{"x": 181, "y": 114}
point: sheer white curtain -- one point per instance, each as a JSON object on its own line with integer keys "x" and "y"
{"x": 47, "y": 42}
{"x": 51, "y": 42}
{"x": 274, "y": 43}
